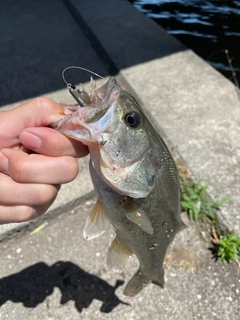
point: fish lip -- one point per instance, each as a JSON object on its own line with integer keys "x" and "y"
{"x": 88, "y": 133}
{"x": 55, "y": 125}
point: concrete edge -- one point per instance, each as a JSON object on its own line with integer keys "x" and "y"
{"x": 50, "y": 216}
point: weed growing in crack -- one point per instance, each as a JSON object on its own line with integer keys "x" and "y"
{"x": 200, "y": 207}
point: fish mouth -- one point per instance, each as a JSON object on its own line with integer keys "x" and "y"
{"x": 89, "y": 123}
{"x": 80, "y": 126}
{"x": 69, "y": 128}
{"x": 99, "y": 116}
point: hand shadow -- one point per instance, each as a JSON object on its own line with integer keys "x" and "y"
{"x": 32, "y": 285}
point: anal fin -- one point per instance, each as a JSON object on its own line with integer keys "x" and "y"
{"x": 118, "y": 255}
{"x": 97, "y": 222}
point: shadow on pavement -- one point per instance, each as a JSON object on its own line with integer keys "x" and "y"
{"x": 32, "y": 285}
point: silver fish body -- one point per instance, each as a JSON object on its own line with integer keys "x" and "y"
{"x": 135, "y": 179}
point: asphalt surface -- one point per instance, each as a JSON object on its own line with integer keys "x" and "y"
{"x": 55, "y": 273}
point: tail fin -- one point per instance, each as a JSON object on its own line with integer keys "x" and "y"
{"x": 139, "y": 281}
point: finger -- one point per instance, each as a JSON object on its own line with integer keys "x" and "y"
{"x": 36, "y": 168}
{"x": 39, "y": 112}
{"x": 50, "y": 142}
{"x": 10, "y": 214}
{"x": 21, "y": 213}
{"x": 3, "y": 163}
{"x": 15, "y": 193}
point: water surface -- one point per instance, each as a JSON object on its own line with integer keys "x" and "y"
{"x": 207, "y": 27}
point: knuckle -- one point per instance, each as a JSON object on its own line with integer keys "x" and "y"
{"x": 45, "y": 105}
{"x": 18, "y": 170}
{"x": 70, "y": 168}
{"x": 24, "y": 213}
{"x": 42, "y": 102}
{"x": 45, "y": 194}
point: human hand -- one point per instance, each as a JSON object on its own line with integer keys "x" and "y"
{"x": 34, "y": 159}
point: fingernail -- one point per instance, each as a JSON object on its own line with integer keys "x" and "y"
{"x": 30, "y": 141}
{"x": 3, "y": 163}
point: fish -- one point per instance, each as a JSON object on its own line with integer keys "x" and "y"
{"x": 134, "y": 176}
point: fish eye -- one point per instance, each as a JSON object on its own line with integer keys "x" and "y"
{"x": 133, "y": 119}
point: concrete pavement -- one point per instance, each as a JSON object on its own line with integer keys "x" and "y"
{"x": 56, "y": 274}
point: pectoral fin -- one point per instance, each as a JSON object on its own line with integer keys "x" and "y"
{"x": 97, "y": 222}
{"x": 118, "y": 255}
{"x": 137, "y": 216}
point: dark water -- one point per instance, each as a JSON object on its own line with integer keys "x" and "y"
{"x": 207, "y": 27}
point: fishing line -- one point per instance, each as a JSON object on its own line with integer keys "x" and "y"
{"x": 81, "y": 68}
{"x": 78, "y": 95}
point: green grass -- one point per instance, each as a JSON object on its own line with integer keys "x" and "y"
{"x": 200, "y": 207}
{"x": 229, "y": 248}
{"x": 198, "y": 204}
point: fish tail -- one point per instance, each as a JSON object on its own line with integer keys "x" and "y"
{"x": 159, "y": 280}
{"x": 139, "y": 281}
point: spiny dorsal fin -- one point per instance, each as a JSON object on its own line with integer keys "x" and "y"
{"x": 97, "y": 222}
{"x": 118, "y": 255}
{"x": 137, "y": 215}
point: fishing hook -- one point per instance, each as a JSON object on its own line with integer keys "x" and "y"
{"x": 74, "y": 91}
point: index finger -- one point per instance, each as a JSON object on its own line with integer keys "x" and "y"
{"x": 38, "y": 112}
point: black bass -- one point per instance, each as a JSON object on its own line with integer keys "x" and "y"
{"x": 135, "y": 179}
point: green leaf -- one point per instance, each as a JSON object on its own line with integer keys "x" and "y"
{"x": 211, "y": 212}
{"x": 229, "y": 248}
{"x": 195, "y": 197}
{"x": 187, "y": 205}
{"x": 195, "y": 213}
{"x": 220, "y": 202}
{"x": 203, "y": 191}
{"x": 197, "y": 185}
{"x": 186, "y": 197}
